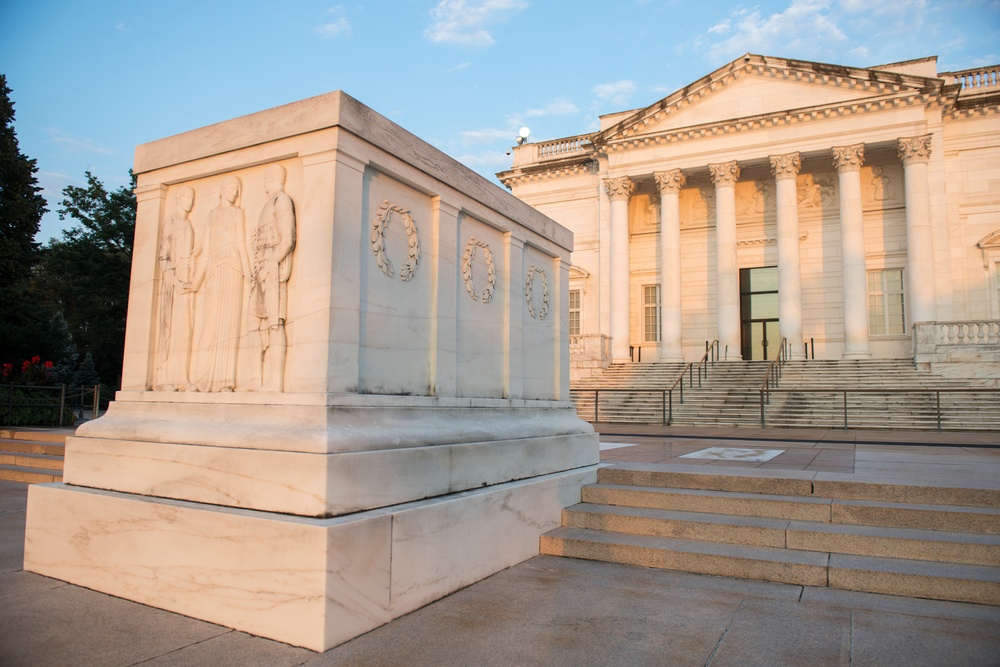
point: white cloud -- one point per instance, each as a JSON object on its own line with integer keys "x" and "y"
{"x": 339, "y": 26}
{"x": 121, "y": 27}
{"x": 492, "y": 159}
{"x": 459, "y": 67}
{"x": 554, "y": 108}
{"x": 720, "y": 28}
{"x": 806, "y": 28}
{"x": 614, "y": 92}
{"x": 465, "y": 22}
{"x": 482, "y": 136}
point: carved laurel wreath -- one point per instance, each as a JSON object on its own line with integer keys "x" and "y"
{"x": 528, "y": 289}
{"x": 379, "y": 224}
{"x": 491, "y": 271}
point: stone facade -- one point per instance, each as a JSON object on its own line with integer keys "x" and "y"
{"x": 827, "y": 206}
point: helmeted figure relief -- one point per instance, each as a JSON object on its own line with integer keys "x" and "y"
{"x": 881, "y": 185}
{"x": 224, "y": 268}
{"x": 270, "y": 246}
{"x": 176, "y": 296}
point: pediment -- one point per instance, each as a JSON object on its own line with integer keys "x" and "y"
{"x": 755, "y": 87}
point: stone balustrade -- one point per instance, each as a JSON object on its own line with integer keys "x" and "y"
{"x": 976, "y": 80}
{"x": 969, "y": 349}
{"x": 563, "y": 147}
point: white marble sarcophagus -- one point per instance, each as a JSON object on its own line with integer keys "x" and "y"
{"x": 345, "y": 391}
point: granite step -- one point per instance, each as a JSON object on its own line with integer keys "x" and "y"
{"x": 914, "y": 544}
{"x": 26, "y": 460}
{"x": 891, "y": 576}
{"x": 32, "y": 447}
{"x": 29, "y": 475}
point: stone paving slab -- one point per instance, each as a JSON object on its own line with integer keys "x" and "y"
{"x": 545, "y": 611}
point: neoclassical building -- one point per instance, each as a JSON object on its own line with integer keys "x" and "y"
{"x": 841, "y": 209}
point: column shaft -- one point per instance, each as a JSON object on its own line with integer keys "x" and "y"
{"x": 670, "y": 184}
{"x": 915, "y": 153}
{"x": 854, "y": 276}
{"x": 786, "y": 168}
{"x": 619, "y": 191}
{"x": 727, "y": 267}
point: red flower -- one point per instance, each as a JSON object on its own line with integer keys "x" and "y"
{"x": 48, "y": 364}
{"x": 35, "y": 360}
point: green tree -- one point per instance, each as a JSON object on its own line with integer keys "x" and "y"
{"x": 86, "y": 272}
{"x": 27, "y": 326}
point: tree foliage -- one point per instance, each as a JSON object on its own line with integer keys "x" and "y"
{"x": 86, "y": 272}
{"x": 28, "y": 327}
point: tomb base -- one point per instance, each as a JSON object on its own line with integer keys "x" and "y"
{"x": 310, "y": 582}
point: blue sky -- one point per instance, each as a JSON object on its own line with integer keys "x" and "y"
{"x": 91, "y": 80}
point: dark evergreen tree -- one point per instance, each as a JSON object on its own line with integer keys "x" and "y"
{"x": 28, "y": 327}
{"x": 86, "y": 272}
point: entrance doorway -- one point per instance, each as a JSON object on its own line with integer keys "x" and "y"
{"x": 759, "y": 313}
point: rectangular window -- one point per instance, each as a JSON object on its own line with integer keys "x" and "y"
{"x": 886, "y": 311}
{"x": 574, "y": 312}
{"x": 651, "y": 313}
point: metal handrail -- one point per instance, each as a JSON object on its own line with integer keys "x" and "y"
{"x": 666, "y": 397}
{"x": 772, "y": 377}
{"x": 68, "y": 397}
{"x": 937, "y": 391}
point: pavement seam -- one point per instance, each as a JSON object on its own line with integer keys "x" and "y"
{"x": 725, "y": 632}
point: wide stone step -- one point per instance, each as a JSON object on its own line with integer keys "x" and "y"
{"x": 32, "y": 447}
{"x": 944, "y": 581}
{"x": 29, "y": 475}
{"x": 931, "y": 490}
{"x": 801, "y": 508}
{"x": 950, "y": 547}
{"x": 27, "y": 460}
{"x": 35, "y": 436}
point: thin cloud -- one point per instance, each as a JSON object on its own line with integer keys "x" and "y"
{"x": 482, "y": 136}
{"x": 720, "y": 28}
{"x": 806, "y": 29}
{"x": 614, "y": 92}
{"x": 338, "y": 27}
{"x": 466, "y": 23}
{"x": 554, "y": 108}
{"x": 459, "y": 67}
{"x": 73, "y": 144}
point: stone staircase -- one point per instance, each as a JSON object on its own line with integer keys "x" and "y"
{"x": 729, "y": 395}
{"x": 812, "y": 529}
{"x": 31, "y": 456}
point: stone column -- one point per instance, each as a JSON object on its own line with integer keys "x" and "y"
{"x": 915, "y": 152}
{"x": 727, "y": 268}
{"x": 854, "y": 276}
{"x": 619, "y": 191}
{"x": 670, "y": 184}
{"x": 785, "y": 169}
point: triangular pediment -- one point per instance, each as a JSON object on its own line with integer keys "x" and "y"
{"x": 756, "y": 87}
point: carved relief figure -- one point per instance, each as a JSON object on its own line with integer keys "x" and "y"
{"x": 811, "y": 193}
{"x": 881, "y": 185}
{"x": 176, "y": 299}
{"x": 270, "y": 252}
{"x": 224, "y": 268}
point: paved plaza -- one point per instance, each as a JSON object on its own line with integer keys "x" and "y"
{"x": 559, "y": 611}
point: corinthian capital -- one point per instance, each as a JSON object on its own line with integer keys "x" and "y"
{"x": 786, "y": 166}
{"x": 913, "y": 150}
{"x": 725, "y": 174}
{"x": 848, "y": 158}
{"x": 619, "y": 188}
{"x": 670, "y": 182}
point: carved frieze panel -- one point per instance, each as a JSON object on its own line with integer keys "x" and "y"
{"x": 816, "y": 192}
{"x": 379, "y": 223}
{"x": 468, "y": 259}
{"x": 882, "y": 186}
{"x": 536, "y": 293}
{"x": 223, "y": 284}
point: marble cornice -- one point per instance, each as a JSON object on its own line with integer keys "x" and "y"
{"x": 778, "y": 119}
{"x": 547, "y": 171}
{"x": 877, "y": 82}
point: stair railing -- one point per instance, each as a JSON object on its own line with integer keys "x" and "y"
{"x": 772, "y": 377}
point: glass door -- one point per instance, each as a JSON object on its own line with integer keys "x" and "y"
{"x": 759, "y": 313}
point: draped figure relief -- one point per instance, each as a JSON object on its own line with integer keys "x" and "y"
{"x": 270, "y": 246}
{"x": 224, "y": 267}
{"x": 176, "y": 296}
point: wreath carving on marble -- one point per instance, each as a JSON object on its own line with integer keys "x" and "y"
{"x": 379, "y": 224}
{"x": 491, "y": 271}
{"x": 529, "y": 285}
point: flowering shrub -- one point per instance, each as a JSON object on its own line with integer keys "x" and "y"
{"x": 33, "y": 372}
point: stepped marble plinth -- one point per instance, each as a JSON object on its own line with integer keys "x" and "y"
{"x": 345, "y": 390}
